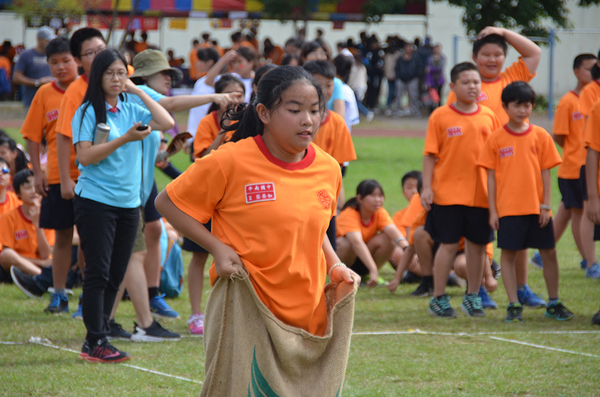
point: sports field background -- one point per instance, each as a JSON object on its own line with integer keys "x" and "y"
{"x": 397, "y": 348}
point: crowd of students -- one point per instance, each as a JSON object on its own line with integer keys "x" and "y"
{"x": 271, "y": 145}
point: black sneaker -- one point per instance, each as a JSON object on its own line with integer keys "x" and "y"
{"x": 104, "y": 352}
{"x": 495, "y": 269}
{"x": 440, "y": 307}
{"x": 117, "y": 332}
{"x": 25, "y": 283}
{"x": 85, "y": 349}
{"x": 514, "y": 313}
{"x": 472, "y": 305}
{"x": 424, "y": 289}
{"x": 559, "y": 312}
{"x": 596, "y": 319}
{"x": 154, "y": 333}
{"x": 410, "y": 278}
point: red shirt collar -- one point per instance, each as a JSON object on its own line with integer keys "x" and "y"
{"x": 300, "y": 165}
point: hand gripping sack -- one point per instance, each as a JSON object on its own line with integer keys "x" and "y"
{"x": 249, "y": 352}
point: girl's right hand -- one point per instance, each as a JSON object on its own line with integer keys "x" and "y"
{"x": 373, "y": 279}
{"x": 133, "y": 134}
{"x": 229, "y": 56}
{"x": 223, "y": 100}
{"x": 224, "y": 258}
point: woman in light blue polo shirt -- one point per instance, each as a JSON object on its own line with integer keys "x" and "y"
{"x": 109, "y": 190}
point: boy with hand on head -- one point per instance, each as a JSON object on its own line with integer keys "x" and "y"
{"x": 454, "y": 189}
{"x": 40, "y": 124}
{"x": 518, "y": 158}
{"x": 568, "y": 132}
{"x": 24, "y": 244}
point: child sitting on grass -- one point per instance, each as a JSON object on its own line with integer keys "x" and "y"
{"x": 24, "y": 244}
{"x": 518, "y": 158}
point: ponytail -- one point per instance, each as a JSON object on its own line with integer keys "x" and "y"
{"x": 366, "y": 187}
{"x": 248, "y": 123}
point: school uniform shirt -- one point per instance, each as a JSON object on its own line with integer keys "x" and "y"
{"x": 570, "y": 123}
{"x": 41, "y": 123}
{"x": 11, "y": 201}
{"x": 196, "y": 114}
{"x": 456, "y": 140}
{"x": 335, "y": 139}
{"x": 518, "y": 160}
{"x": 412, "y": 211}
{"x": 208, "y": 129}
{"x": 338, "y": 92}
{"x": 397, "y": 218}
{"x": 18, "y": 232}
{"x": 69, "y": 104}
{"x": 150, "y": 145}
{"x": 274, "y": 215}
{"x": 491, "y": 91}
{"x": 418, "y": 221}
{"x": 590, "y": 94}
{"x": 592, "y": 137}
{"x": 116, "y": 180}
{"x": 349, "y": 220}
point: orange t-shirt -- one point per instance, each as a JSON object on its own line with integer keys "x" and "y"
{"x": 397, "y": 218}
{"x": 418, "y": 221}
{"x": 489, "y": 250}
{"x": 71, "y": 101}
{"x": 518, "y": 160}
{"x": 41, "y": 123}
{"x": 491, "y": 91}
{"x": 193, "y": 56}
{"x": 12, "y": 201}
{"x": 274, "y": 215}
{"x": 349, "y": 220}
{"x": 335, "y": 139}
{"x": 592, "y": 137}
{"x": 207, "y": 131}
{"x": 456, "y": 140}
{"x": 412, "y": 211}
{"x": 18, "y": 233}
{"x": 130, "y": 70}
{"x": 570, "y": 122}
{"x": 589, "y": 95}
{"x": 5, "y": 64}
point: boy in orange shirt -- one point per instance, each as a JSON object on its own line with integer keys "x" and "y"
{"x": 516, "y": 156}
{"x": 25, "y": 245}
{"x": 8, "y": 200}
{"x": 569, "y": 131}
{"x": 40, "y": 124}
{"x": 590, "y": 94}
{"x": 409, "y": 189}
{"x": 454, "y": 190}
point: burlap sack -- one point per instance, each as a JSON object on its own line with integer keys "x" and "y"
{"x": 251, "y": 353}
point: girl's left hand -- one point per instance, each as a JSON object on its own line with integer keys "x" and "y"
{"x": 340, "y": 273}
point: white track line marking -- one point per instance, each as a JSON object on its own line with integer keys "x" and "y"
{"x": 543, "y": 347}
{"x": 46, "y": 342}
{"x": 421, "y": 332}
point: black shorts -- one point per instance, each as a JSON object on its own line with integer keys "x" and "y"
{"x": 359, "y": 268}
{"x": 517, "y": 233}
{"x": 56, "y": 212}
{"x": 446, "y": 224}
{"x": 151, "y": 214}
{"x": 331, "y": 234}
{"x": 596, "y": 232}
{"x": 190, "y": 246}
{"x": 573, "y": 191}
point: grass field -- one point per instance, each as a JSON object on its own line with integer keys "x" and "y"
{"x": 397, "y": 348}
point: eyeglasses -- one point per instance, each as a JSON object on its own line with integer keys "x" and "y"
{"x": 121, "y": 74}
{"x": 4, "y": 170}
{"x": 93, "y": 52}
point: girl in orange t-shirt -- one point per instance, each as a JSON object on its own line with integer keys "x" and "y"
{"x": 210, "y": 135}
{"x": 367, "y": 235}
{"x": 271, "y": 195}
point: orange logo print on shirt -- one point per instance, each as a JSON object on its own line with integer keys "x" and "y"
{"x": 482, "y": 96}
{"x": 507, "y": 152}
{"x": 324, "y": 198}
{"x": 21, "y": 235}
{"x": 577, "y": 115}
{"x": 258, "y": 192}
{"x": 52, "y": 115}
{"x": 454, "y": 131}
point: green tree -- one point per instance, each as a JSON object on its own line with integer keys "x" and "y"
{"x": 52, "y": 8}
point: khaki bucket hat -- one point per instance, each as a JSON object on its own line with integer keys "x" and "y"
{"x": 149, "y": 62}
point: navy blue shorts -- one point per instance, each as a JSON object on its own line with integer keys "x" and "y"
{"x": 573, "y": 191}
{"x": 190, "y": 246}
{"x": 151, "y": 214}
{"x": 446, "y": 224}
{"x": 56, "y": 212}
{"x": 517, "y": 233}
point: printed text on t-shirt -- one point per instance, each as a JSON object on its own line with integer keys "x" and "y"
{"x": 258, "y": 192}
{"x": 577, "y": 115}
{"x": 454, "y": 131}
{"x": 21, "y": 235}
{"x": 482, "y": 96}
{"x": 506, "y": 152}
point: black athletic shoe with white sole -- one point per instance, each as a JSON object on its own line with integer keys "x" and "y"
{"x": 154, "y": 333}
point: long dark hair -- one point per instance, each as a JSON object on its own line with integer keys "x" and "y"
{"x": 363, "y": 189}
{"x": 220, "y": 86}
{"x": 94, "y": 95}
{"x": 21, "y": 161}
{"x": 269, "y": 92}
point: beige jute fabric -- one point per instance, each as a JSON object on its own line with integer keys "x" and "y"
{"x": 251, "y": 353}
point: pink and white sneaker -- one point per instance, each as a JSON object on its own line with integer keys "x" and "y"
{"x": 196, "y": 324}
